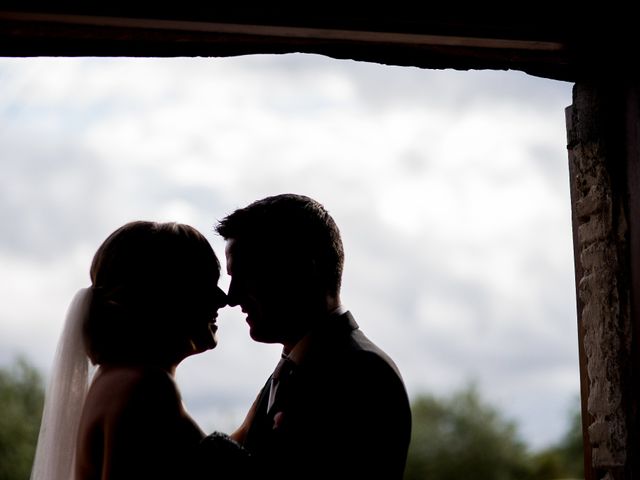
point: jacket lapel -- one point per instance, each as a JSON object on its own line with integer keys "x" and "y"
{"x": 262, "y": 428}
{"x": 261, "y": 422}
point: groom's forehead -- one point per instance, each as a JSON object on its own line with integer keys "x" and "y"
{"x": 254, "y": 257}
{"x": 240, "y": 254}
{"x": 230, "y": 254}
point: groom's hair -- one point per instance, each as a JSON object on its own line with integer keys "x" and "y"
{"x": 145, "y": 275}
{"x": 289, "y": 230}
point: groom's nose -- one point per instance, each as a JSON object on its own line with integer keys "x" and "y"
{"x": 236, "y": 292}
{"x": 221, "y": 298}
{"x": 233, "y": 299}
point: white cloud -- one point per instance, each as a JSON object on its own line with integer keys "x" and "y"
{"x": 450, "y": 189}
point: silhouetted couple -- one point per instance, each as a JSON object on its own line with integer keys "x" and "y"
{"x": 335, "y": 406}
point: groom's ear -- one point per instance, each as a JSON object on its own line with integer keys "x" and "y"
{"x": 303, "y": 268}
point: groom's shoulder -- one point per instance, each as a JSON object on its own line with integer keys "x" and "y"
{"x": 343, "y": 346}
{"x": 356, "y": 351}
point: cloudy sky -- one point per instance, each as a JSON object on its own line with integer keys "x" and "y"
{"x": 450, "y": 188}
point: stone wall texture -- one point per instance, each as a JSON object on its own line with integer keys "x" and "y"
{"x": 603, "y": 285}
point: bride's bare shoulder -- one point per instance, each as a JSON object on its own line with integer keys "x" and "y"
{"x": 116, "y": 388}
{"x": 133, "y": 420}
{"x": 128, "y": 376}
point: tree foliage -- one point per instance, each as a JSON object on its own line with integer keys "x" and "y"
{"x": 566, "y": 458}
{"x": 21, "y": 401}
{"x": 462, "y": 437}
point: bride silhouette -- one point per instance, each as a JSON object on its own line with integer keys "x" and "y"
{"x": 153, "y": 301}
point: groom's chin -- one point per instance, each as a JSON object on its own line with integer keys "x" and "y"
{"x": 262, "y": 337}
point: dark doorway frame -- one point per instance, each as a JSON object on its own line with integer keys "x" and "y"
{"x": 603, "y": 127}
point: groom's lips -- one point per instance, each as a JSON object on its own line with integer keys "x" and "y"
{"x": 249, "y": 316}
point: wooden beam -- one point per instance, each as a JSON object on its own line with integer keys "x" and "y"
{"x": 36, "y": 33}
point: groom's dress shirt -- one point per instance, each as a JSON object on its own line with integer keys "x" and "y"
{"x": 336, "y": 409}
{"x": 284, "y": 367}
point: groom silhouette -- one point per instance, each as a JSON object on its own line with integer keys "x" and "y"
{"x": 336, "y": 405}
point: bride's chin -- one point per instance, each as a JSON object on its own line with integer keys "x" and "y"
{"x": 204, "y": 343}
{"x": 213, "y": 343}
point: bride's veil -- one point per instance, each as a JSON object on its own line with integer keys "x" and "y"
{"x": 66, "y": 391}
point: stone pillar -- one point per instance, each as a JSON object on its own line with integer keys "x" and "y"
{"x": 603, "y": 126}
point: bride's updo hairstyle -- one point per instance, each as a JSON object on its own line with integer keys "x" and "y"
{"x": 149, "y": 280}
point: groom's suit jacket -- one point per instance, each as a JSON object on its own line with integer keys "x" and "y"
{"x": 342, "y": 412}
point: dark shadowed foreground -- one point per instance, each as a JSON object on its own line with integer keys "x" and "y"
{"x": 456, "y": 437}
